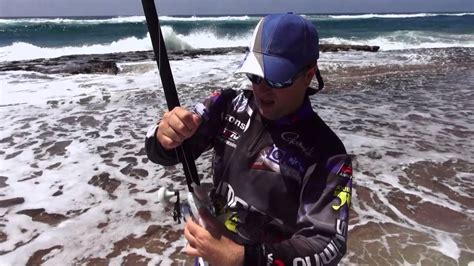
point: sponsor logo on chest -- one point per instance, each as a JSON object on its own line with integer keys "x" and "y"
{"x": 233, "y": 130}
{"x": 294, "y": 139}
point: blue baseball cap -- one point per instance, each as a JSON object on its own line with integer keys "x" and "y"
{"x": 282, "y": 45}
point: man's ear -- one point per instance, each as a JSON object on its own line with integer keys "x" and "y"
{"x": 310, "y": 74}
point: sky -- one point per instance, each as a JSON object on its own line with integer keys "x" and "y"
{"x": 18, "y": 8}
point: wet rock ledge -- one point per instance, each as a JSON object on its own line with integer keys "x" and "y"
{"x": 106, "y": 63}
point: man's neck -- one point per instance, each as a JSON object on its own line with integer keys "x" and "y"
{"x": 304, "y": 111}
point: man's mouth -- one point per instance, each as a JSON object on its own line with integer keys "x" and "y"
{"x": 266, "y": 102}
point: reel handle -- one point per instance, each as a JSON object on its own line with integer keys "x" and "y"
{"x": 165, "y": 195}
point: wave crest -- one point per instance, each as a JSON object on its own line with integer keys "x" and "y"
{"x": 400, "y": 16}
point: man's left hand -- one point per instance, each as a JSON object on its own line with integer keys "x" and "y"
{"x": 211, "y": 244}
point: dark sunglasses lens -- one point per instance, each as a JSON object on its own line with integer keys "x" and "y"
{"x": 277, "y": 85}
{"x": 254, "y": 78}
{"x": 280, "y": 85}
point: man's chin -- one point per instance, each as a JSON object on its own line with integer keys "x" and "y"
{"x": 268, "y": 114}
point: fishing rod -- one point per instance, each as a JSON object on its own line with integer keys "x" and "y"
{"x": 183, "y": 151}
{"x": 197, "y": 196}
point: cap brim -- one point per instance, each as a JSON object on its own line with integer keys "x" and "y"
{"x": 252, "y": 64}
{"x": 270, "y": 67}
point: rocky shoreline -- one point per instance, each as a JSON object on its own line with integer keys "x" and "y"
{"x": 107, "y": 63}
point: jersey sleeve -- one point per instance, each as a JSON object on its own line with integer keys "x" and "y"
{"x": 211, "y": 111}
{"x": 322, "y": 220}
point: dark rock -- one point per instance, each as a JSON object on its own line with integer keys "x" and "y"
{"x": 26, "y": 179}
{"x": 104, "y": 182}
{"x": 107, "y": 155}
{"x": 68, "y": 120}
{"x": 3, "y": 237}
{"x": 153, "y": 241}
{"x": 13, "y": 155}
{"x": 25, "y": 145}
{"x": 347, "y": 47}
{"x": 11, "y": 202}
{"x": 3, "y": 182}
{"x": 107, "y": 63}
{"x": 96, "y": 262}
{"x": 134, "y": 172}
{"x": 59, "y": 148}
{"x": 52, "y": 103}
{"x": 38, "y": 257}
{"x": 53, "y": 166}
{"x": 38, "y": 173}
{"x": 141, "y": 201}
{"x": 7, "y": 139}
{"x": 88, "y": 121}
{"x": 40, "y": 215}
{"x": 93, "y": 134}
{"x": 77, "y": 212}
{"x": 86, "y": 100}
{"x": 135, "y": 259}
{"x": 31, "y": 212}
{"x": 20, "y": 244}
{"x": 135, "y": 191}
{"x": 131, "y": 160}
{"x": 145, "y": 215}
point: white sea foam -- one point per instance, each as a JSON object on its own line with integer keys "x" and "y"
{"x": 220, "y": 18}
{"x": 448, "y": 246}
{"x": 397, "y": 16}
{"x": 122, "y": 19}
{"x": 22, "y": 87}
{"x": 208, "y": 39}
{"x": 80, "y": 235}
{"x": 24, "y": 51}
{"x": 400, "y": 40}
{"x": 196, "y": 39}
{"x": 68, "y": 21}
{"x": 141, "y": 19}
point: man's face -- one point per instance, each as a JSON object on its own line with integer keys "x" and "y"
{"x": 276, "y": 103}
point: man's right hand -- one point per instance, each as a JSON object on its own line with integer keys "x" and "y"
{"x": 176, "y": 126}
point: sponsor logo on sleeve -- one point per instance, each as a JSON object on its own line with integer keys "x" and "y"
{"x": 332, "y": 250}
{"x": 345, "y": 171}
{"x": 344, "y": 195}
{"x": 215, "y": 93}
{"x": 270, "y": 259}
{"x": 240, "y": 103}
{"x": 278, "y": 263}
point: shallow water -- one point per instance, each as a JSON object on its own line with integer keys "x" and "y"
{"x": 76, "y": 185}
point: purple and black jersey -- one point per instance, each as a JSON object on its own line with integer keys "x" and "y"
{"x": 282, "y": 187}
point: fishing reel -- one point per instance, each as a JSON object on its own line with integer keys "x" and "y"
{"x": 188, "y": 208}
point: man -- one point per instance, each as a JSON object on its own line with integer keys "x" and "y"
{"x": 282, "y": 178}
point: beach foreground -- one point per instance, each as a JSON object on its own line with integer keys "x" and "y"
{"x": 77, "y": 188}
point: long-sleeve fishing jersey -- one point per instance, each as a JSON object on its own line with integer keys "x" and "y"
{"x": 282, "y": 186}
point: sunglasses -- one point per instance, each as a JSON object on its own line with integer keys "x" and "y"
{"x": 276, "y": 85}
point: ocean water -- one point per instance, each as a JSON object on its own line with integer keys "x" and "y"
{"x": 27, "y": 38}
{"x": 76, "y": 186}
